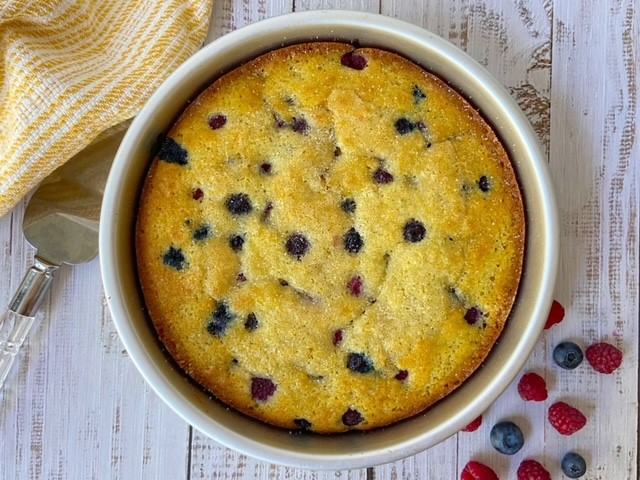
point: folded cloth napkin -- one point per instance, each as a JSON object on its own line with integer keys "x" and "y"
{"x": 72, "y": 69}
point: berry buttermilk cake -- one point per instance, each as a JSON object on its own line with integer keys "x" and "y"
{"x": 330, "y": 238}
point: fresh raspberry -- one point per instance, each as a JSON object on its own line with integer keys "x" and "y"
{"x": 473, "y": 426}
{"x": 556, "y": 314}
{"x": 604, "y": 357}
{"x": 532, "y": 387}
{"x": 532, "y": 470}
{"x": 566, "y": 419}
{"x": 477, "y": 471}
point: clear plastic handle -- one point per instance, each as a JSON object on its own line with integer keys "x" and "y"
{"x": 13, "y": 331}
{"x": 18, "y": 319}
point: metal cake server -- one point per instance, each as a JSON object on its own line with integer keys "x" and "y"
{"x": 61, "y": 222}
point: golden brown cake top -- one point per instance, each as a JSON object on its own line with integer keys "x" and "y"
{"x": 330, "y": 238}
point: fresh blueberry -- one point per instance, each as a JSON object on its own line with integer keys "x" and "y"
{"x": 414, "y": 231}
{"x": 172, "y": 152}
{"x": 348, "y": 205}
{"x": 297, "y": 245}
{"x": 236, "y": 242}
{"x": 353, "y": 241}
{"x": 573, "y": 465}
{"x": 359, "y": 362}
{"x": 506, "y": 437}
{"x": 567, "y": 355}
{"x": 404, "y": 126}
{"x": 220, "y": 319}
{"x": 174, "y": 257}
{"x": 239, "y": 204}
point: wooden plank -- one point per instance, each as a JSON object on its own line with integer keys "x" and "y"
{"x": 513, "y": 41}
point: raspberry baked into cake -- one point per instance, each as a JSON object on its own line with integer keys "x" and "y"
{"x": 330, "y": 238}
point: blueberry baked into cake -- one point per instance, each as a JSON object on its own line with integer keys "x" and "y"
{"x": 330, "y": 238}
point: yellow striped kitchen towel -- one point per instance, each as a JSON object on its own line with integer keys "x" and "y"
{"x": 71, "y": 69}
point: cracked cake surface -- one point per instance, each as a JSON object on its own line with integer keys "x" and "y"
{"x": 330, "y": 238}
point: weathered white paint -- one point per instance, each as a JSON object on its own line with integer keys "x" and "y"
{"x": 75, "y": 408}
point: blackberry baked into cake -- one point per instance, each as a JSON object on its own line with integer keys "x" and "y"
{"x": 330, "y": 238}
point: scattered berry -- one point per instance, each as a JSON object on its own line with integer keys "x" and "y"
{"x": 506, "y": 437}
{"x": 382, "y": 176}
{"x": 197, "y": 194}
{"x": 359, "y": 362}
{"x": 414, "y": 231}
{"x": 251, "y": 323}
{"x": 338, "y": 337}
{"x": 573, "y": 465}
{"x": 239, "y": 204}
{"x": 348, "y": 205}
{"x": 532, "y": 470}
{"x": 604, "y": 357}
{"x": 220, "y": 319}
{"x": 556, "y": 314}
{"x": 352, "y": 241}
{"x": 300, "y": 125}
{"x": 352, "y": 418}
{"x": 236, "y": 242}
{"x": 477, "y": 471}
{"x": 532, "y": 387}
{"x": 567, "y": 355}
{"x": 473, "y": 315}
{"x": 297, "y": 245}
{"x": 202, "y": 233}
{"x": 473, "y": 426}
{"x": 402, "y": 375}
{"x": 174, "y": 257}
{"x": 353, "y": 60}
{"x": 355, "y": 286}
{"x": 566, "y": 419}
{"x": 262, "y": 388}
{"x": 217, "y": 121}
{"x": 418, "y": 95}
{"x": 484, "y": 184}
{"x": 337, "y": 151}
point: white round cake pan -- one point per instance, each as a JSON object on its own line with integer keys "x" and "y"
{"x": 355, "y": 449}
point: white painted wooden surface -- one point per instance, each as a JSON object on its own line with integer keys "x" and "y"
{"x": 76, "y": 408}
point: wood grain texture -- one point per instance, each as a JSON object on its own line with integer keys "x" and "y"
{"x": 76, "y": 408}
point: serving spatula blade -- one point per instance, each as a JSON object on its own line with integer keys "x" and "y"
{"x": 61, "y": 222}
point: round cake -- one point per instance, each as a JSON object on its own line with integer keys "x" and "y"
{"x": 330, "y": 238}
